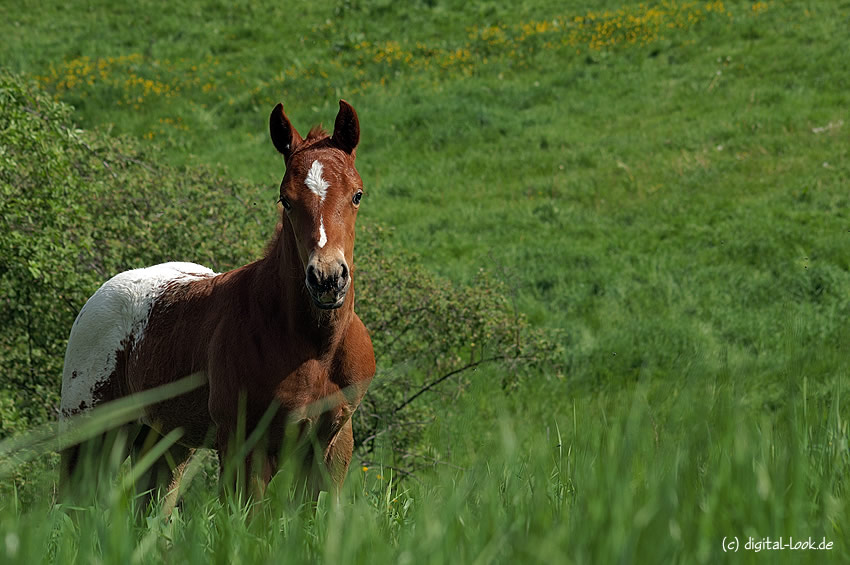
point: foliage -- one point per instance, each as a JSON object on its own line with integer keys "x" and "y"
{"x": 427, "y": 330}
{"x": 135, "y": 81}
{"x": 549, "y": 493}
{"x": 184, "y": 91}
{"x": 77, "y": 208}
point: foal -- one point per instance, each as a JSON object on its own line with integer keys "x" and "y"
{"x": 280, "y": 332}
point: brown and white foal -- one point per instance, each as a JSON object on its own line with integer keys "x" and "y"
{"x": 278, "y": 332}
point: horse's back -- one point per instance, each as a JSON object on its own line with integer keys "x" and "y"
{"x": 110, "y": 323}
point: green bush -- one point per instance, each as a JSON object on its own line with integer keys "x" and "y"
{"x": 80, "y": 206}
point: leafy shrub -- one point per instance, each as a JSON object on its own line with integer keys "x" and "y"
{"x": 78, "y": 207}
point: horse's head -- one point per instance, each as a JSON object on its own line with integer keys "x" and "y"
{"x": 320, "y": 193}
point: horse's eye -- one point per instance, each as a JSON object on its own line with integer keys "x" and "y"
{"x": 357, "y": 196}
{"x": 285, "y": 203}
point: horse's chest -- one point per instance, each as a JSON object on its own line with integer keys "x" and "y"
{"x": 313, "y": 389}
{"x": 307, "y": 385}
{"x": 319, "y": 397}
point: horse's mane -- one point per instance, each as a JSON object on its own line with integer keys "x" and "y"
{"x": 318, "y": 138}
{"x": 316, "y": 132}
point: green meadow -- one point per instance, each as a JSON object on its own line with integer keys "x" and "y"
{"x": 655, "y": 196}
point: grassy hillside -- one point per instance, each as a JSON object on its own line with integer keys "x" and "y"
{"x": 664, "y": 183}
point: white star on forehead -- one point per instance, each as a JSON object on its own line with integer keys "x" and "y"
{"x": 316, "y": 182}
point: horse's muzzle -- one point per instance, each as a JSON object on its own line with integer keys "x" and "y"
{"x": 328, "y": 283}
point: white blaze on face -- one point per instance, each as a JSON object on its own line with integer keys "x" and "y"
{"x": 323, "y": 237}
{"x": 318, "y": 186}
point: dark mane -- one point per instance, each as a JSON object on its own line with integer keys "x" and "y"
{"x": 316, "y": 132}
{"x": 318, "y": 138}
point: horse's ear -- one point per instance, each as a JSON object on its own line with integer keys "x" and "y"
{"x": 284, "y": 136}
{"x": 346, "y": 134}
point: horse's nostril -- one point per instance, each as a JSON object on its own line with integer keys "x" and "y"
{"x": 342, "y": 277}
{"x": 312, "y": 278}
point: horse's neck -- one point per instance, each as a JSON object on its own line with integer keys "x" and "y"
{"x": 280, "y": 281}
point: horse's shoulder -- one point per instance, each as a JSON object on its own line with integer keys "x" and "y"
{"x": 357, "y": 353}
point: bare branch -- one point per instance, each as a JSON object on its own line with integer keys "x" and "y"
{"x": 448, "y": 375}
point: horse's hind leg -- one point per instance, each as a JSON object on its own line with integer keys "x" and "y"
{"x": 162, "y": 478}
{"x": 172, "y": 493}
{"x": 84, "y": 467}
{"x": 68, "y": 461}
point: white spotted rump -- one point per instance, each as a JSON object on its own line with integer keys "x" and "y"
{"x": 114, "y": 317}
{"x": 316, "y": 182}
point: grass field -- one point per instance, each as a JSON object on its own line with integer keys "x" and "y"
{"x": 665, "y": 184}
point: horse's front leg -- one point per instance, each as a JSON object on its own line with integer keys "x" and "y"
{"x": 244, "y": 474}
{"x": 337, "y": 456}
